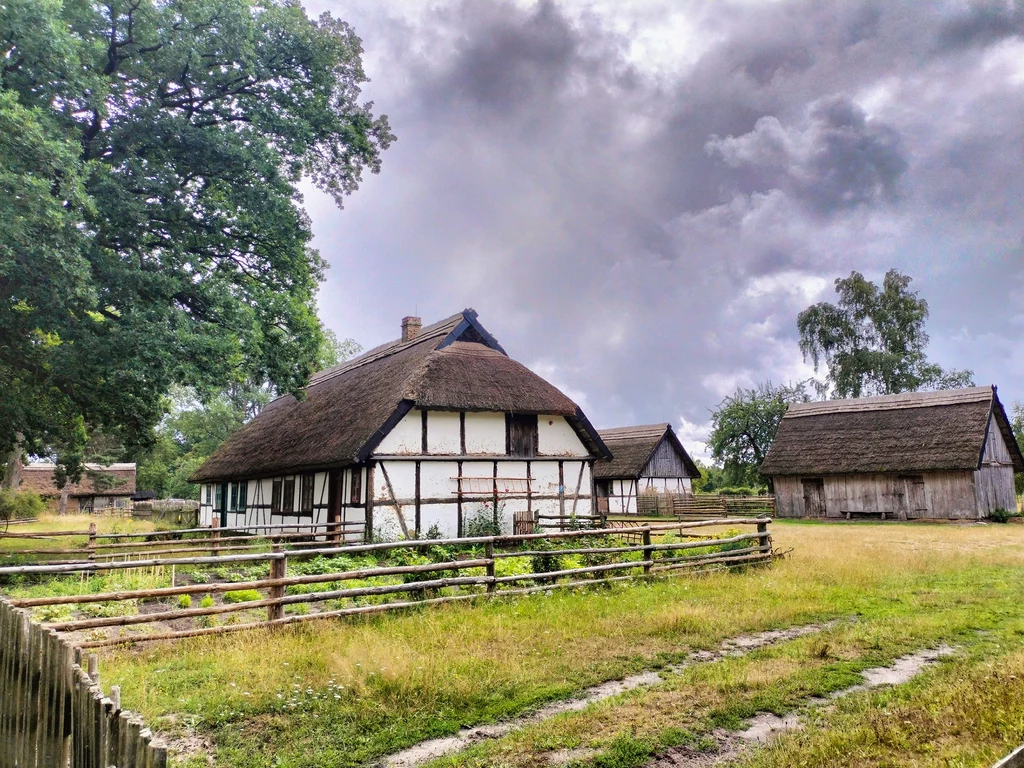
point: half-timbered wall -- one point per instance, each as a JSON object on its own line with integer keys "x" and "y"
{"x": 948, "y": 495}
{"x": 439, "y": 468}
{"x": 622, "y": 493}
{"x": 451, "y": 481}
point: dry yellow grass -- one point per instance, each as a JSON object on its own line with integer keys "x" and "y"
{"x": 378, "y": 685}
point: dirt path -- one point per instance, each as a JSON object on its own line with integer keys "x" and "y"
{"x": 737, "y": 646}
{"x": 766, "y": 726}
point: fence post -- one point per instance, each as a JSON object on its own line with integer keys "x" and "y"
{"x": 215, "y": 536}
{"x": 648, "y": 552}
{"x": 489, "y": 554}
{"x": 94, "y": 668}
{"x": 278, "y": 569}
{"x": 92, "y": 541}
{"x": 764, "y": 538}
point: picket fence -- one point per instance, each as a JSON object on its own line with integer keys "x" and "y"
{"x": 53, "y": 713}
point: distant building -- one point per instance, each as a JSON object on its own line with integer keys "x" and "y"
{"x": 948, "y": 454}
{"x": 429, "y": 430}
{"x": 645, "y": 459}
{"x": 100, "y": 487}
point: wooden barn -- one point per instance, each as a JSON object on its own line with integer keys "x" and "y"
{"x": 645, "y": 459}
{"x": 430, "y": 430}
{"x": 947, "y": 454}
{"x": 101, "y": 487}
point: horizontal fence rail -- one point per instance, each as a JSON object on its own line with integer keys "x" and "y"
{"x": 54, "y": 713}
{"x": 607, "y": 555}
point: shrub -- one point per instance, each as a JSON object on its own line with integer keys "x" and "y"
{"x": 21, "y": 505}
{"x": 484, "y": 522}
{"x": 434, "y": 532}
{"x": 1001, "y": 515}
{"x": 206, "y": 602}
{"x": 184, "y": 601}
{"x": 242, "y": 596}
{"x": 547, "y": 560}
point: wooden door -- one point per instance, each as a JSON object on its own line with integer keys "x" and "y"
{"x": 334, "y": 505}
{"x": 914, "y": 500}
{"x": 814, "y": 497}
{"x": 223, "y": 507}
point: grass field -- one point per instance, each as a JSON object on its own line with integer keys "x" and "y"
{"x": 340, "y": 694}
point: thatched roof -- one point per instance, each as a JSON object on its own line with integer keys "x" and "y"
{"x": 632, "y": 448}
{"x": 96, "y": 480}
{"x": 454, "y": 364}
{"x": 913, "y": 432}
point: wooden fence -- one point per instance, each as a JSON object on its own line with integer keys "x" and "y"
{"x": 700, "y": 506}
{"x": 213, "y": 539}
{"x": 474, "y": 577}
{"x": 53, "y": 713}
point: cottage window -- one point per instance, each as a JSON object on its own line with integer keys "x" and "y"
{"x": 243, "y": 495}
{"x": 233, "y": 498}
{"x": 275, "y": 498}
{"x": 208, "y": 492}
{"x": 306, "y": 494}
{"x": 356, "y": 492}
{"x": 521, "y": 435}
{"x": 288, "y": 496}
{"x": 219, "y": 496}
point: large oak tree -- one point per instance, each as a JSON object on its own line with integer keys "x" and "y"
{"x": 151, "y": 230}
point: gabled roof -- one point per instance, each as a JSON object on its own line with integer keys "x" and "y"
{"x": 911, "y": 432}
{"x": 453, "y": 364}
{"x": 632, "y": 448}
{"x": 38, "y": 478}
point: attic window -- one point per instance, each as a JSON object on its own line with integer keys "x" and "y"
{"x": 521, "y": 435}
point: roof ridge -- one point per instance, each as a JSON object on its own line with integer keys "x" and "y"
{"x": 387, "y": 349}
{"x": 901, "y": 401}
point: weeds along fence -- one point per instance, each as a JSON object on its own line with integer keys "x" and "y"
{"x": 465, "y": 569}
{"x": 96, "y": 546}
{"x": 54, "y": 713}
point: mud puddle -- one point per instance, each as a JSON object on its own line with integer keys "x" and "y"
{"x": 766, "y": 726}
{"x": 736, "y": 646}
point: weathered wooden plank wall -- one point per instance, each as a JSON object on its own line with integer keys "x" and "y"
{"x": 53, "y": 712}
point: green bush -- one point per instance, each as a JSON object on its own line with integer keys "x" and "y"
{"x": 206, "y": 602}
{"x": 242, "y": 596}
{"x": 484, "y": 522}
{"x": 21, "y": 505}
{"x": 1001, "y": 515}
{"x": 184, "y": 601}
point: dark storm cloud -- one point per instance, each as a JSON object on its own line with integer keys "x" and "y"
{"x": 644, "y": 236}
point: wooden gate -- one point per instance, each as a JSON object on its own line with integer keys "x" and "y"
{"x": 523, "y": 522}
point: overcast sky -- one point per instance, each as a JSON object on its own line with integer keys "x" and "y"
{"x": 639, "y": 197}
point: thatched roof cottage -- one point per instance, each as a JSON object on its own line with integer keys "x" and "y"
{"x": 949, "y": 454}
{"x": 645, "y": 458}
{"x": 102, "y": 486}
{"x": 431, "y": 430}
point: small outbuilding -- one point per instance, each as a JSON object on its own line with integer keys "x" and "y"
{"x": 645, "y": 459}
{"x": 949, "y": 454}
{"x": 101, "y": 487}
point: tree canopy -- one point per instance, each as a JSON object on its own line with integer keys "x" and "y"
{"x": 744, "y": 426}
{"x": 153, "y": 230}
{"x": 873, "y": 340}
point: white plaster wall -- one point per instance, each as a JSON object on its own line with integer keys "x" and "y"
{"x": 436, "y": 479}
{"x": 445, "y": 516}
{"x": 485, "y": 433}
{"x": 444, "y": 433}
{"x": 406, "y": 437}
{"x": 555, "y": 437}
{"x": 403, "y": 480}
{"x": 546, "y": 474}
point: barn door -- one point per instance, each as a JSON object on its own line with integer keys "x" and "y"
{"x": 814, "y": 497}
{"x": 914, "y": 501}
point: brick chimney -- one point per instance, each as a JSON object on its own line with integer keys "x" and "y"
{"x": 411, "y": 328}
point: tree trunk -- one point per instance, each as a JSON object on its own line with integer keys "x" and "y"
{"x": 12, "y": 477}
{"x": 62, "y": 508}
